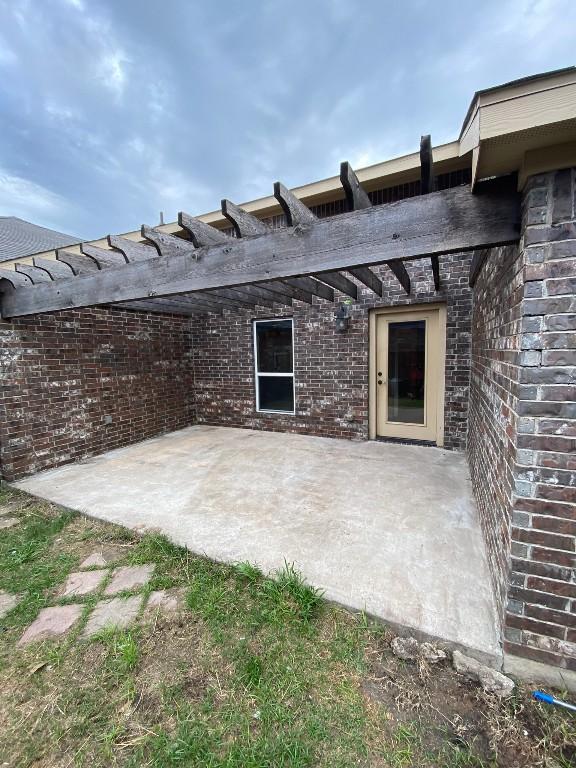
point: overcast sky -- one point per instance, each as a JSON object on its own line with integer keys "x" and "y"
{"x": 113, "y": 110}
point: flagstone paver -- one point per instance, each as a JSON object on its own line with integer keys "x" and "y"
{"x": 129, "y": 577}
{"x": 52, "y": 622}
{"x": 8, "y": 522}
{"x": 117, "y": 613}
{"x": 7, "y": 602}
{"x": 106, "y": 555}
{"x": 165, "y": 601}
{"x": 82, "y": 583}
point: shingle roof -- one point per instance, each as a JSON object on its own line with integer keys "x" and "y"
{"x": 20, "y": 238}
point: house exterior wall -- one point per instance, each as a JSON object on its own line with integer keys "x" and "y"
{"x": 331, "y": 368}
{"x": 522, "y": 425}
{"x": 541, "y": 612}
{"x": 78, "y": 383}
{"x": 492, "y": 421}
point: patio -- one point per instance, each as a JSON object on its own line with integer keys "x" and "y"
{"x": 390, "y": 529}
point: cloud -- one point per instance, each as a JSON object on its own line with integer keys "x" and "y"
{"x": 28, "y": 200}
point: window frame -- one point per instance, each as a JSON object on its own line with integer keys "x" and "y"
{"x": 257, "y": 374}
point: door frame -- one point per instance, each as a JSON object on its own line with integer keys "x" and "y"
{"x": 407, "y": 309}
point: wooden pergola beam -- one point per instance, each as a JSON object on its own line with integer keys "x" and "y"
{"x": 339, "y": 282}
{"x": 427, "y": 186}
{"x": 14, "y": 279}
{"x": 368, "y": 278}
{"x": 78, "y": 263}
{"x": 399, "y": 270}
{"x": 104, "y": 258}
{"x": 54, "y": 268}
{"x": 201, "y": 233}
{"x": 132, "y": 250}
{"x": 36, "y": 275}
{"x": 312, "y": 286}
{"x": 245, "y": 225}
{"x": 443, "y": 222}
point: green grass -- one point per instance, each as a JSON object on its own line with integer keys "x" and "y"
{"x": 257, "y": 672}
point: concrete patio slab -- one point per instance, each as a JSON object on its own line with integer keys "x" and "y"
{"x": 52, "y": 622}
{"x": 117, "y": 613}
{"x": 129, "y": 577}
{"x": 82, "y": 583}
{"x": 387, "y": 528}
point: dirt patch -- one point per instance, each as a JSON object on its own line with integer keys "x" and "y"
{"x": 448, "y": 708}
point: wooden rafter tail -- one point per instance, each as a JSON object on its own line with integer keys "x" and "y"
{"x": 78, "y": 263}
{"x": 399, "y": 270}
{"x": 427, "y": 186}
{"x": 35, "y": 274}
{"x": 15, "y": 279}
{"x": 245, "y": 225}
{"x": 368, "y": 278}
{"x": 435, "y": 262}
{"x": 356, "y": 197}
{"x": 294, "y": 209}
{"x": 132, "y": 250}
{"x": 56, "y": 269}
{"x": 103, "y": 257}
{"x": 166, "y": 245}
{"x": 426, "y": 166}
{"x": 312, "y": 286}
{"x": 201, "y": 233}
{"x": 341, "y": 283}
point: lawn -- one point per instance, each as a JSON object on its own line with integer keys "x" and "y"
{"x": 253, "y": 672}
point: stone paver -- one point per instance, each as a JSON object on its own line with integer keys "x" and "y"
{"x": 119, "y": 612}
{"x": 82, "y": 583}
{"x": 164, "y": 601}
{"x": 52, "y": 622}
{"x": 8, "y": 522}
{"x": 106, "y": 555}
{"x": 7, "y": 602}
{"x": 129, "y": 577}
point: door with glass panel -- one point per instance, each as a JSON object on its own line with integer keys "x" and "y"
{"x": 407, "y": 374}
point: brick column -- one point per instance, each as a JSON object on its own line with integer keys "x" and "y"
{"x": 540, "y": 619}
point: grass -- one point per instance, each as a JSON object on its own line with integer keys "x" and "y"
{"x": 257, "y": 672}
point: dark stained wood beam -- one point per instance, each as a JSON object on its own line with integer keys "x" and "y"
{"x": 312, "y": 286}
{"x": 56, "y": 269}
{"x": 35, "y": 274}
{"x": 356, "y": 197}
{"x": 368, "y": 278}
{"x": 427, "y": 186}
{"x": 478, "y": 260}
{"x": 245, "y": 225}
{"x": 449, "y": 221}
{"x": 341, "y": 283}
{"x": 78, "y": 263}
{"x": 244, "y": 296}
{"x": 201, "y": 233}
{"x": 132, "y": 250}
{"x": 162, "y": 307}
{"x": 294, "y": 209}
{"x": 283, "y": 288}
{"x": 15, "y": 279}
{"x": 103, "y": 257}
{"x": 426, "y": 166}
{"x": 166, "y": 245}
{"x": 399, "y": 270}
{"x": 434, "y": 261}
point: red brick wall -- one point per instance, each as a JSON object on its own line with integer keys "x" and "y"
{"x": 492, "y": 422}
{"x": 67, "y": 374}
{"x": 522, "y": 438}
{"x": 331, "y": 368}
{"x": 541, "y": 616}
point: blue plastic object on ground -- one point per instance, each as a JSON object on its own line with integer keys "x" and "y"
{"x": 548, "y": 699}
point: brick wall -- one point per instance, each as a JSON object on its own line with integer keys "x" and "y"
{"x": 496, "y": 328}
{"x": 541, "y": 616}
{"x": 75, "y": 384}
{"x": 522, "y": 425}
{"x": 331, "y": 368}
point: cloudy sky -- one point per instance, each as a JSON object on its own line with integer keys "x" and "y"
{"x": 113, "y": 110}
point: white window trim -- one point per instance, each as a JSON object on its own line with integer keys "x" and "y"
{"x": 257, "y": 374}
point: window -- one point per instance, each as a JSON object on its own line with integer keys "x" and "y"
{"x": 274, "y": 365}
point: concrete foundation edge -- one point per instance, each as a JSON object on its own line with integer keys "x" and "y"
{"x": 537, "y": 672}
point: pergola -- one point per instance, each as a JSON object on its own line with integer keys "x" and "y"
{"x": 206, "y": 271}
